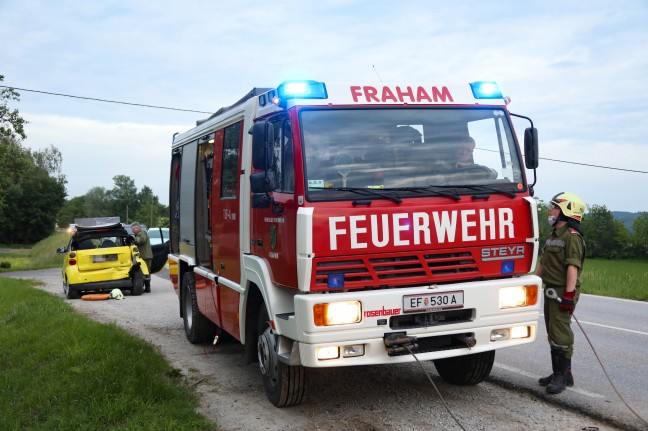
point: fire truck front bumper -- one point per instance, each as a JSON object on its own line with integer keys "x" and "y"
{"x": 387, "y": 326}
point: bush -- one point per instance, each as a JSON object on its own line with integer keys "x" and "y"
{"x": 5, "y": 265}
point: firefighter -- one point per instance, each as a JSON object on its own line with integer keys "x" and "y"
{"x": 143, "y": 243}
{"x": 560, "y": 269}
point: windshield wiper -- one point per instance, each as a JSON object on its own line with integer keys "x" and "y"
{"x": 372, "y": 193}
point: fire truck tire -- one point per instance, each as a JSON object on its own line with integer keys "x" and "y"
{"x": 466, "y": 370}
{"x": 138, "y": 283}
{"x": 198, "y": 328}
{"x": 284, "y": 384}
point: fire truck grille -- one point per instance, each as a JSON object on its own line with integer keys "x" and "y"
{"x": 396, "y": 270}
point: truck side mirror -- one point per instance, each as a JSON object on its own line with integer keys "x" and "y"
{"x": 262, "y": 145}
{"x": 531, "y": 148}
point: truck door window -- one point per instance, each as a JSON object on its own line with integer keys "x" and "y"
{"x": 283, "y": 165}
{"x": 230, "y": 159}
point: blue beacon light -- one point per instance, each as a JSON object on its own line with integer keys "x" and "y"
{"x": 302, "y": 90}
{"x": 486, "y": 90}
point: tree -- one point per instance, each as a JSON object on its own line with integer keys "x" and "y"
{"x": 32, "y": 207}
{"x": 543, "y": 224}
{"x": 11, "y": 123}
{"x": 604, "y": 236}
{"x": 123, "y": 198}
{"x": 151, "y": 212}
{"x": 13, "y": 158}
{"x": 32, "y": 189}
{"x": 97, "y": 203}
{"x": 640, "y": 236}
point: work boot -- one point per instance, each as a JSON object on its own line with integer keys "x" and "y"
{"x": 569, "y": 378}
{"x": 544, "y": 381}
{"x": 147, "y": 285}
{"x": 559, "y": 380}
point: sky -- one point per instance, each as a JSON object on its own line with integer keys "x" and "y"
{"x": 578, "y": 69}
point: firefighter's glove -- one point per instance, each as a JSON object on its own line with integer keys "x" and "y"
{"x": 567, "y": 302}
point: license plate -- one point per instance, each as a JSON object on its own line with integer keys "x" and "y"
{"x": 433, "y": 301}
{"x": 104, "y": 258}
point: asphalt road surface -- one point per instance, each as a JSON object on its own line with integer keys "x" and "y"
{"x": 618, "y": 332}
{"x": 399, "y": 397}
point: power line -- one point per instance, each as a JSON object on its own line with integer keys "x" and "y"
{"x": 105, "y": 100}
{"x": 594, "y": 166}
{"x": 204, "y": 112}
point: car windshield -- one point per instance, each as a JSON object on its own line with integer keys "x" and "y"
{"x": 414, "y": 151}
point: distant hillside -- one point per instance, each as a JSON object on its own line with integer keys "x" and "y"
{"x": 626, "y": 218}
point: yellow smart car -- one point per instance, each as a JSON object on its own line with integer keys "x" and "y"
{"x": 101, "y": 256}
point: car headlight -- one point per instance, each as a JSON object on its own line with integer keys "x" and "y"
{"x": 518, "y": 296}
{"x": 337, "y": 313}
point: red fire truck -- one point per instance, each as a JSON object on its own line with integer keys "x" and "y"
{"x": 339, "y": 225}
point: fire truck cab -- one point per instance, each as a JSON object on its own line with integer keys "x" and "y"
{"x": 339, "y": 225}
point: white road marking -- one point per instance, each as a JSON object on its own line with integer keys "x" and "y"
{"x": 614, "y": 327}
{"x": 609, "y": 327}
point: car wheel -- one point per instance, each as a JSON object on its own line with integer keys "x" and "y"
{"x": 198, "y": 328}
{"x": 138, "y": 283}
{"x": 70, "y": 293}
{"x": 466, "y": 370}
{"x": 284, "y": 384}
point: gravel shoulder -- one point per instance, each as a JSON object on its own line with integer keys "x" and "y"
{"x": 378, "y": 398}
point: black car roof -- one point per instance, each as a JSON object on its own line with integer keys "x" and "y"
{"x": 103, "y": 230}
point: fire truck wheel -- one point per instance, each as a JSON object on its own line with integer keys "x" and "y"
{"x": 198, "y": 328}
{"x": 138, "y": 283}
{"x": 466, "y": 370}
{"x": 284, "y": 384}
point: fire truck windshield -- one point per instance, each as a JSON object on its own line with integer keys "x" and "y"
{"x": 413, "y": 150}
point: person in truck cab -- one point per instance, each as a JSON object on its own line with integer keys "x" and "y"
{"x": 560, "y": 269}
{"x": 463, "y": 152}
{"x": 456, "y": 156}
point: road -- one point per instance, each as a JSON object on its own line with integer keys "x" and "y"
{"x": 618, "y": 331}
{"x": 399, "y": 397}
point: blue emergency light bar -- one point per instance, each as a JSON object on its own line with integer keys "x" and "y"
{"x": 486, "y": 90}
{"x": 302, "y": 90}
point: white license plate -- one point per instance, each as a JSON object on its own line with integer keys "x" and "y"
{"x": 433, "y": 301}
{"x": 104, "y": 258}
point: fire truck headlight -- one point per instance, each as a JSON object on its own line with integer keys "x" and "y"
{"x": 337, "y": 313}
{"x": 514, "y": 333}
{"x": 486, "y": 90}
{"x": 518, "y": 296}
{"x": 324, "y": 353}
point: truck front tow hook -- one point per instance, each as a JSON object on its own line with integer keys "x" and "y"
{"x": 399, "y": 343}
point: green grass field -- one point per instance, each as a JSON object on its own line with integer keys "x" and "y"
{"x": 618, "y": 278}
{"x": 63, "y": 371}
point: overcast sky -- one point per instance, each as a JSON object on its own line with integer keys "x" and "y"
{"x": 577, "y": 68}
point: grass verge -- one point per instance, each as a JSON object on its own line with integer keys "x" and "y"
{"x": 618, "y": 278}
{"x": 39, "y": 256}
{"x": 63, "y": 371}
